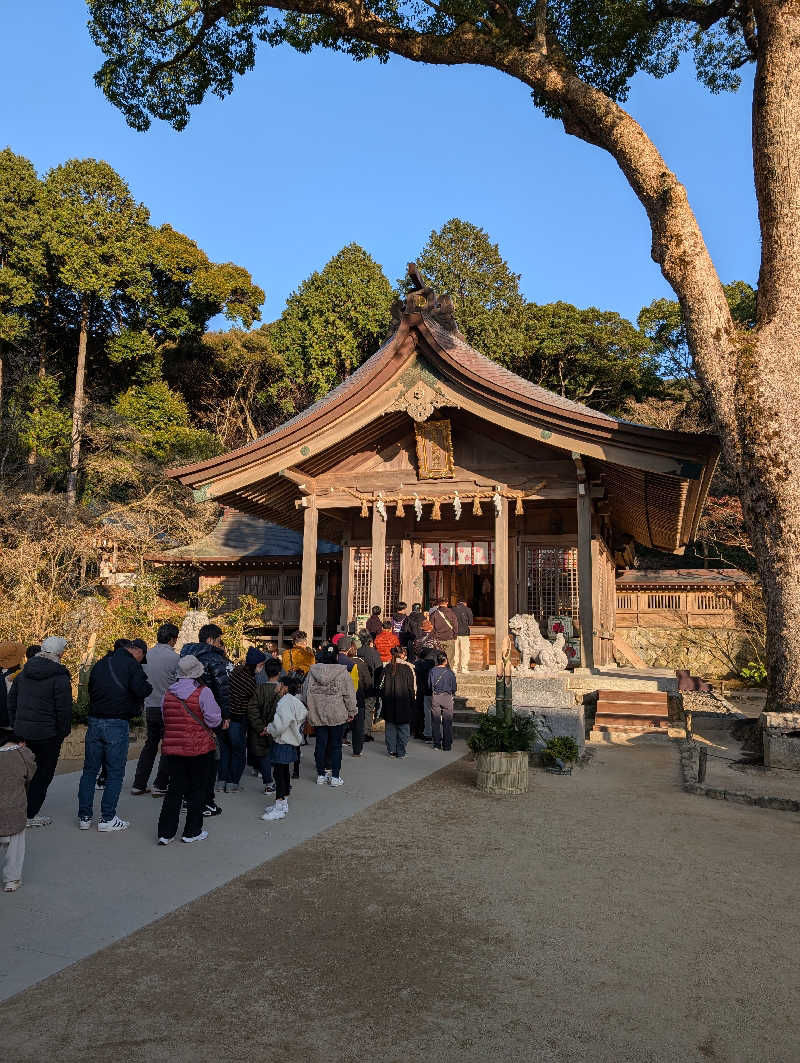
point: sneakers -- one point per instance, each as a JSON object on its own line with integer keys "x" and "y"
{"x": 158, "y": 792}
{"x": 336, "y": 780}
{"x": 39, "y": 821}
{"x": 269, "y": 788}
{"x": 113, "y": 824}
{"x": 165, "y": 841}
{"x": 12, "y": 886}
{"x": 84, "y": 823}
{"x": 201, "y": 837}
{"x": 140, "y": 791}
{"x": 212, "y": 810}
{"x": 278, "y": 810}
{"x": 321, "y": 780}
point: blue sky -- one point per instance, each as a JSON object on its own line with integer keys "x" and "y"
{"x": 312, "y": 152}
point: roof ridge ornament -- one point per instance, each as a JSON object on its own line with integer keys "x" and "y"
{"x": 422, "y": 299}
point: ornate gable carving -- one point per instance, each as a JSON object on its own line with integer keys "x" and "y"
{"x": 419, "y": 400}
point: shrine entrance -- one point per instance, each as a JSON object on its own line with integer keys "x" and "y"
{"x": 473, "y": 584}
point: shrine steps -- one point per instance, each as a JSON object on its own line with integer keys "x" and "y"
{"x": 625, "y": 714}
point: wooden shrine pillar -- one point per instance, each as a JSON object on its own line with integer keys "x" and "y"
{"x": 585, "y": 581}
{"x": 500, "y": 576}
{"x": 346, "y": 585}
{"x": 411, "y": 575}
{"x": 308, "y": 578}
{"x": 378, "y": 579}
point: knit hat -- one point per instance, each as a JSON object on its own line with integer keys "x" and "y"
{"x": 345, "y": 644}
{"x": 253, "y": 657}
{"x": 54, "y": 644}
{"x": 189, "y": 667}
{"x": 11, "y": 654}
{"x": 337, "y": 638}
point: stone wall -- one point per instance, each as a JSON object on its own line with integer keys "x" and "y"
{"x": 713, "y": 653}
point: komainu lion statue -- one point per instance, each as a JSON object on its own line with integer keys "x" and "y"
{"x": 533, "y": 646}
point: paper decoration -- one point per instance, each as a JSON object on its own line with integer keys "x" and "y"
{"x": 430, "y": 554}
{"x": 380, "y": 505}
{"x": 457, "y": 507}
{"x": 447, "y": 553}
{"x": 417, "y": 506}
{"x": 464, "y": 553}
{"x": 480, "y": 553}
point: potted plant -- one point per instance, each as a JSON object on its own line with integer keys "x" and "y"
{"x": 501, "y": 746}
{"x": 560, "y": 751}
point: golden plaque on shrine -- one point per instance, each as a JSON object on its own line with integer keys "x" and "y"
{"x": 434, "y": 450}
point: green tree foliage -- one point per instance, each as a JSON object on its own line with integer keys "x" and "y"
{"x": 461, "y": 260}
{"x": 164, "y": 56}
{"x": 335, "y": 320}
{"x": 160, "y": 418}
{"x": 664, "y": 323}
{"x": 592, "y": 356}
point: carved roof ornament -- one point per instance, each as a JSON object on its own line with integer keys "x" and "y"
{"x": 423, "y": 299}
{"x": 419, "y": 400}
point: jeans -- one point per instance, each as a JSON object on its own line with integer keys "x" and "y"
{"x": 232, "y": 750}
{"x": 106, "y": 742}
{"x": 147, "y": 757}
{"x": 328, "y": 745}
{"x": 46, "y": 751}
{"x": 264, "y": 765}
{"x": 188, "y": 778}
{"x": 282, "y": 785}
{"x": 397, "y": 736}
{"x": 442, "y": 721}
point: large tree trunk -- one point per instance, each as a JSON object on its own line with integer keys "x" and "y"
{"x": 78, "y": 405}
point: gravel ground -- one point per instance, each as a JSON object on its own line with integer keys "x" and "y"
{"x": 605, "y": 916}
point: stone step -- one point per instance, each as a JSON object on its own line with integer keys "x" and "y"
{"x": 623, "y": 735}
{"x": 637, "y": 697}
{"x": 464, "y": 730}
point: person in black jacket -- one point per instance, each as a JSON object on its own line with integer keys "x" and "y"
{"x": 40, "y": 712}
{"x": 117, "y": 689}
{"x": 210, "y": 651}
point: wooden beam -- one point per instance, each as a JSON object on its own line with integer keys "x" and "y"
{"x": 305, "y": 483}
{"x": 500, "y": 576}
{"x": 347, "y": 584}
{"x": 585, "y": 588}
{"x": 378, "y": 583}
{"x": 308, "y": 579}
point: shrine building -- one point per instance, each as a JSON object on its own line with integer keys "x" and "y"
{"x": 440, "y": 474}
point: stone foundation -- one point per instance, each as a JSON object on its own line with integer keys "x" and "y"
{"x": 781, "y": 750}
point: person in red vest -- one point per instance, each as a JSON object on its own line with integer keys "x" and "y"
{"x": 190, "y": 713}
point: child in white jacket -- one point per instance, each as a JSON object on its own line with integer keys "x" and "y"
{"x": 290, "y": 714}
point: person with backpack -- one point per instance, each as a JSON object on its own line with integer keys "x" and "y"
{"x": 40, "y": 713}
{"x": 300, "y": 655}
{"x": 191, "y": 715}
{"x": 443, "y": 686}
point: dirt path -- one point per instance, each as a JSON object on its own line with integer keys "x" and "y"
{"x": 602, "y": 917}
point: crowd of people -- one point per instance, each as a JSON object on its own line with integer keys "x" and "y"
{"x": 207, "y": 718}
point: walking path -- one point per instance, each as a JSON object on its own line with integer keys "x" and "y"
{"x": 83, "y": 890}
{"x": 604, "y": 917}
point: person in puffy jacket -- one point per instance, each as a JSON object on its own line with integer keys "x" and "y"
{"x": 284, "y": 729}
{"x": 398, "y": 697}
{"x": 210, "y": 651}
{"x": 12, "y": 655}
{"x": 190, "y": 712}
{"x": 331, "y": 700}
{"x": 40, "y": 712}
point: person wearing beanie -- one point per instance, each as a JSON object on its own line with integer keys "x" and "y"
{"x": 12, "y": 655}
{"x": 233, "y": 742}
{"x": 160, "y": 667}
{"x": 40, "y": 712}
{"x": 190, "y": 714}
{"x": 300, "y": 657}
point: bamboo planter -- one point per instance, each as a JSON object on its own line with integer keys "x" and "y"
{"x": 502, "y": 773}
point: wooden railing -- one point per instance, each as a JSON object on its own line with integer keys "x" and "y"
{"x": 675, "y": 608}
